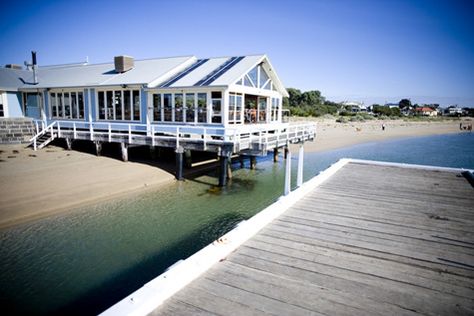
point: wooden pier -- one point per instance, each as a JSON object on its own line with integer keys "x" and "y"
{"x": 367, "y": 238}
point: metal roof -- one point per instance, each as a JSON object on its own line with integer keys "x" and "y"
{"x": 143, "y": 72}
{"x": 173, "y": 72}
{"x": 10, "y": 79}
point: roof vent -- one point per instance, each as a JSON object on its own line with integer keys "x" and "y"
{"x": 123, "y": 63}
{"x": 14, "y": 66}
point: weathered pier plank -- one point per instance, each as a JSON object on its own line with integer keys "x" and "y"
{"x": 371, "y": 240}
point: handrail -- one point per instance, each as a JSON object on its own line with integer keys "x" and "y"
{"x": 256, "y": 134}
{"x": 44, "y": 131}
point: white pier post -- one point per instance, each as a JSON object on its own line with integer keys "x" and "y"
{"x": 124, "y": 148}
{"x": 288, "y": 173}
{"x": 299, "y": 179}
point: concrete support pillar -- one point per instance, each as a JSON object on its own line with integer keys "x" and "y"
{"x": 253, "y": 162}
{"x": 224, "y": 162}
{"x": 188, "y": 161}
{"x": 285, "y": 152}
{"x": 68, "y": 143}
{"x": 124, "y": 148}
{"x": 275, "y": 154}
{"x": 299, "y": 179}
{"x": 98, "y": 148}
{"x": 179, "y": 163}
{"x": 287, "y": 189}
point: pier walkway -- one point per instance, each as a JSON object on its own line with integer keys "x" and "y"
{"x": 363, "y": 238}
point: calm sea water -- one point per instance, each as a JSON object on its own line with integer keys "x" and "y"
{"x": 85, "y": 261}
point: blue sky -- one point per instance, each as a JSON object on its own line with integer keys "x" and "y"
{"x": 374, "y": 51}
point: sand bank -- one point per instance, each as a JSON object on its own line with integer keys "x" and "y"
{"x": 331, "y": 135}
{"x": 36, "y": 184}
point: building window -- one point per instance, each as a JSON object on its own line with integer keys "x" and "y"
{"x": 127, "y": 105}
{"x": 202, "y": 108}
{"x": 178, "y": 107}
{"x": 275, "y": 109}
{"x": 256, "y": 78}
{"x": 119, "y": 105}
{"x": 157, "y": 107}
{"x": 262, "y": 109}
{"x": 67, "y": 105}
{"x": 167, "y": 107}
{"x": 216, "y": 101}
{"x": 136, "y": 105}
{"x": 190, "y": 108}
{"x": 235, "y": 108}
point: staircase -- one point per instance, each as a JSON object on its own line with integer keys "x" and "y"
{"x": 44, "y": 137}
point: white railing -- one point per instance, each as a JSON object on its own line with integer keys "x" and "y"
{"x": 242, "y": 136}
{"x": 43, "y": 131}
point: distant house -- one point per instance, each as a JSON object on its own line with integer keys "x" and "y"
{"x": 453, "y": 110}
{"x": 426, "y": 111}
{"x": 392, "y": 105}
{"x": 406, "y": 111}
{"x": 354, "y": 106}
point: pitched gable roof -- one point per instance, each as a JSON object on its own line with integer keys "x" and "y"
{"x": 173, "y": 72}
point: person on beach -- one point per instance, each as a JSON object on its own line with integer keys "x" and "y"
{"x": 460, "y": 126}
{"x": 383, "y": 126}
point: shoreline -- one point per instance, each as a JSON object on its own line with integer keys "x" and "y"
{"x": 52, "y": 181}
{"x": 331, "y": 135}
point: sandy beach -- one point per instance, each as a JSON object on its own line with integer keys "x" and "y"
{"x": 333, "y": 135}
{"x": 36, "y": 184}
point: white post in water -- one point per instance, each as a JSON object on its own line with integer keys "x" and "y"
{"x": 299, "y": 179}
{"x": 288, "y": 173}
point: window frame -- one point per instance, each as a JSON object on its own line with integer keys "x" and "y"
{"x": 131, "y": 106}
{"x": 59, "y": 102}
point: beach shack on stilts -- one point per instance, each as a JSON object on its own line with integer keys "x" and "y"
{"x": 225, "y": 105}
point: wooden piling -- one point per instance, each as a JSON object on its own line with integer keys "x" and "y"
{"x": 275, "y": 155}
{"x": 124, "y": 148}
{"x": 153, "y": 152}
{"x": 253, "y": 162}
{"x": 68, "y": 143}
{"x": 224, "y": 161}
{"x": 188, "y": 161}
{"x": 229, "y": 169}
{"x": 98, "y": 148}
{"x": 287, "y": 188}
{"x": 179, "y": 163}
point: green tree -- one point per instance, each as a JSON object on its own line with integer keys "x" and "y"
{"x": 404, "y": 103}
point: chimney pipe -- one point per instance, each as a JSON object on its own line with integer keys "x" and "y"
{"x": 33, "y": 58}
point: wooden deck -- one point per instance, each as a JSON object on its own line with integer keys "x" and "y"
{"x": 371, "y": 240}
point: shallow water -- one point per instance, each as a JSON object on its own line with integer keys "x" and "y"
{"x": 85, "y": 261}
